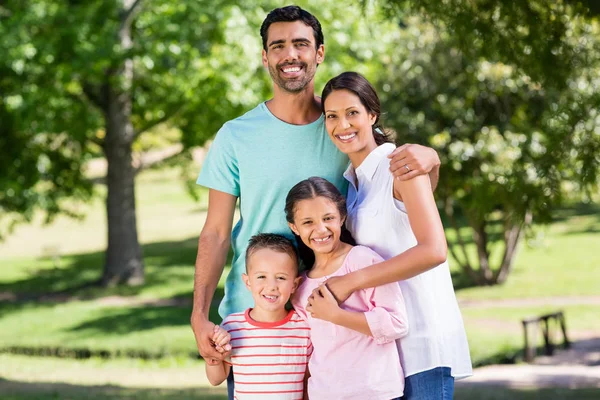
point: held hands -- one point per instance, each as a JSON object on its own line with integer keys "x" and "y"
{"x": 340, "y": 287}
{"x": 410, "y": 160}
{"x": 204, "y": 332}
{"x": 221, "y": 339}
{"x": 322, "y": 304}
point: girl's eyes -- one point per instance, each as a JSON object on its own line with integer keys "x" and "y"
{"x": 307, "y": 223}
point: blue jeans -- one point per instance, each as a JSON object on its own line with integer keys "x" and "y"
{"x": 230, "y": 386}
{"x": 434, "y": 384}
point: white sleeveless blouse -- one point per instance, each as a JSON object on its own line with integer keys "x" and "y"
{"x": 436, "y": 334}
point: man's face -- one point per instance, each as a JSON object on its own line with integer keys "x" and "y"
{"x": 291, "y": 56}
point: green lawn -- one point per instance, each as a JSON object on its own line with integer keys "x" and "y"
{"x": 66, "y": 256}
{"x": 37, "y": 378}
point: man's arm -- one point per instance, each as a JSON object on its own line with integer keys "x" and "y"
{"x": 410, "y": 160}
{"x": 213, "y": 246}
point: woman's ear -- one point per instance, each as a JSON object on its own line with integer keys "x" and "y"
{"x": 294, "y": 229}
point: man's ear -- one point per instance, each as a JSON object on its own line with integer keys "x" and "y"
{"x": 320, "y": 54}
{"x": 246, "y": 280}
{"x": 293, "y": 228}
{"x": 264, "y": 59}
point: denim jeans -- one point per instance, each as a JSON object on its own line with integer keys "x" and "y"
{"x": 434, "y": 384}
{"x": 230, "y": 387}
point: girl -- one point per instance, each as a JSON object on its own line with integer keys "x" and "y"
{"x": 355, "y": 355}
{"x": 400, "y": 221}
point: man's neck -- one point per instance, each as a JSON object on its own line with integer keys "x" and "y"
{"x": 300, "y": 108}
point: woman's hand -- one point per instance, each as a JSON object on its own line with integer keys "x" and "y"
{"x": 341, "y": 287}
{"x": 322, "y": 304}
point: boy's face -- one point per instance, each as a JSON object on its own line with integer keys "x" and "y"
{"x": 272, "y": 278}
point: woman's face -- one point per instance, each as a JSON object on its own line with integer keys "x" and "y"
{"x": 348, "y": 123}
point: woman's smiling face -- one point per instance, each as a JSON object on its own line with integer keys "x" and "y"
{"x": 348, "y": 123}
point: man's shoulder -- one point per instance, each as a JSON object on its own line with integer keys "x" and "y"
{"x": 249, "y": 118}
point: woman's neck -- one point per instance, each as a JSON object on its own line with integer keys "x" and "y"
{"x": 357, "y": 157}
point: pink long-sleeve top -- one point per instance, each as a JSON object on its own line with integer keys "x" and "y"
{"x": 347, "y": 364}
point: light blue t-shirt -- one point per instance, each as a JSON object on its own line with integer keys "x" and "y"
{"x": 258, "y": 158}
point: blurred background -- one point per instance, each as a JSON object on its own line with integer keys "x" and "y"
{"x": 107, "y": 109}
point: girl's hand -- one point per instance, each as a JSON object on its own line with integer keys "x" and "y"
{"x": 221, "y": 339}
{"x": 340, "y": 287}
{"x": 322, "y": 304}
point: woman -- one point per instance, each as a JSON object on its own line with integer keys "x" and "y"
{"x": 400, "y": 221}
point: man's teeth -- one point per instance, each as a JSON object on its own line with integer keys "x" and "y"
{"x": 346, "y": 137}
{"x": 291, "y": 69}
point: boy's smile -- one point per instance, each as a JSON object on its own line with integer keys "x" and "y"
{"x": 272, "y": 278}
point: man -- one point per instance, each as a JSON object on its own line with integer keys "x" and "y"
{"x": 259, "y": 156}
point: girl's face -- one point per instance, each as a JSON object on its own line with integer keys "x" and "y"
{"x": 348, "y": 123}
{"x": 318, "y": 223}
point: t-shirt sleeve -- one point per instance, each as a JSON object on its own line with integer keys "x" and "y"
{"x": 220, "y": 169}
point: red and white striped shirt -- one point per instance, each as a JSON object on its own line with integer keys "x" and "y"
{"x": 269, "y": 359}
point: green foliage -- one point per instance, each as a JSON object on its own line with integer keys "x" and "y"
{"x": 510, "y": 147}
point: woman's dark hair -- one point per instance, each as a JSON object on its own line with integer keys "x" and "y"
{"x": 360, "y": 86}
{"x": 311, "y": 188}
{"x": 291, "y": 14}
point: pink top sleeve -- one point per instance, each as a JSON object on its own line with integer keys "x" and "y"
{"x": 387, "y": 311}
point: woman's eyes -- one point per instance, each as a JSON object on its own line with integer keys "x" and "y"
{"x": 331, "y": 116}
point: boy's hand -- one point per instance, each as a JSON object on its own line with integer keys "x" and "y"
{"x": 221, "y": 339}
{"x": 322, "y": 304}
{"x": 410, "y": 160}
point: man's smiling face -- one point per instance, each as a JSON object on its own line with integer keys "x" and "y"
{"x": 291, "y": 56}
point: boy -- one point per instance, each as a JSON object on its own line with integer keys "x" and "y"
{"x": 269, "y": 345}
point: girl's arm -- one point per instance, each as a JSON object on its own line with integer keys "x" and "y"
{"x": 430, "y": 251}
{"x": 385, "y": 321}
{"x": 218, "y": 372}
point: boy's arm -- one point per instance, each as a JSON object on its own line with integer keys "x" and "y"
{"x": 213, "y": 246}
{"x": 217, "y": 373}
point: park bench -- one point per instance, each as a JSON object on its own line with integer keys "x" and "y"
{"x": 533, "y": 325}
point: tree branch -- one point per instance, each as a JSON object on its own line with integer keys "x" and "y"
{"x": 466, "y": 266}
{"x": 128, "y": 14}
{"x": 158, "y": 121}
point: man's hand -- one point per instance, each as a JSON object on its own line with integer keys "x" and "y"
{"x": 322, "y": 304}
{"x": 204, "y": 331}
{"x": 410, "y": 160}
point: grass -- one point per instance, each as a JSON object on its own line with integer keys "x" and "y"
{"x": 35, "y": 378}
{"x": 67, "y": 255}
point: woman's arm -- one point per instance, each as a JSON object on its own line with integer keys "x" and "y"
{"x": 386, "y": 321}
{"x": 430, "y": 251}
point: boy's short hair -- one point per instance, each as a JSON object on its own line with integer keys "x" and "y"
{"x": 273, "y": 242}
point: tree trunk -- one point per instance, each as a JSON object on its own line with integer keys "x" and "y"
{"x": 124, "y": 263}
{"x": 486, "y": 276}
{"x": 512, "y": 237}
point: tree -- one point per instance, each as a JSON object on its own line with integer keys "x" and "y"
{"x": 510, "y": 146}
{"x": 87, "y": 79}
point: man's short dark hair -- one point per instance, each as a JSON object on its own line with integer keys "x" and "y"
{"x": 273, "y": 242}
{"x": 291, "y": 14}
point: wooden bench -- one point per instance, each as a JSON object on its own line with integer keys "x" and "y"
{"x": 543, "y": 321}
